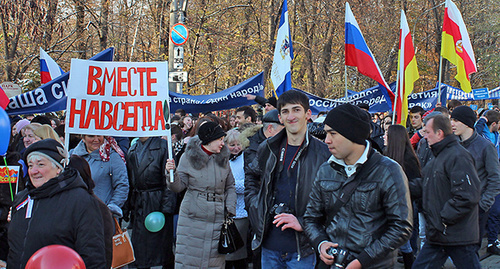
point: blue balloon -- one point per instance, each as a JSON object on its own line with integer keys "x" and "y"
{"x": 4, "y": 131}
{"x": 154, "y": 222}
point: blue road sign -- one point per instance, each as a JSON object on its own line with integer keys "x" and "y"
{"x": 179, "y": 34}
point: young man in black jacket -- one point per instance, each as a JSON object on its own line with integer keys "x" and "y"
{"x": 486, "y": 163}
{"x": 277, "y": 187}
{"x": 450, "y": 191}
{"x": 367, "y": 228}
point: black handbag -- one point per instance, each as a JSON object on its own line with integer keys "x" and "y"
{"x": 230, "y": 239}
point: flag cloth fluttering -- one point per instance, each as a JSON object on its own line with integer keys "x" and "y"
{"x": 49, "y": 69}
{"x": 281, "y": 75}
{"x": 359, "y": 55}
{"x": 4, "y": 99}
{"x": 456, "y": 46}
{"x": 407, "y": 71}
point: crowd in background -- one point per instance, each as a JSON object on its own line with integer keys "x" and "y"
{"x": 99, "y": 178}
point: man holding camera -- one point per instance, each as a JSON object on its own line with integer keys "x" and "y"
{"x": 359, "y": 211}
{"x": 277, "y": 187}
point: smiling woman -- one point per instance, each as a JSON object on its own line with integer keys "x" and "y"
{"x": 55, "y": 208}
{"x": 107, "y": 164}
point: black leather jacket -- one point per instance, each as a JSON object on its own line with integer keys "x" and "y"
{"x": 450, "y": 195}
{"x": 375, "y": 221}
{"x": 260, "y": 176}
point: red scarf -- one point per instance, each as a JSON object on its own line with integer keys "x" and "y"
{"x": 105, "y": 149}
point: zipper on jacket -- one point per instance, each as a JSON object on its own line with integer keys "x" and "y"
{"x": 306, "y": 139}
{"x": 265, "y": 199}
{"x": 29, "y": 226}
{"x": 297, "y": 233}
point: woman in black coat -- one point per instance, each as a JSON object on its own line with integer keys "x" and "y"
{"x": 55, "y": 208}
{"x": 148, "y": 193}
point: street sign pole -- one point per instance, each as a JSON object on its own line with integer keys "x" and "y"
{"x": 176, "y": 53}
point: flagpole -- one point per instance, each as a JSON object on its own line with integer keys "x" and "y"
{"x": 345, "y": 79}
{"x": 395, "y": 99}
{"x": 440, "y": 74}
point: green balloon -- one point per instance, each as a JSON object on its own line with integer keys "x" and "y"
{"x": 154, "y": 222}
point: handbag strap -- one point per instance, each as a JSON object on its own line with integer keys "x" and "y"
{"x": 348, "y": 189}
{"x": 117, "y": 227}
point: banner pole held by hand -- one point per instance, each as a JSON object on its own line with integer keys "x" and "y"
{"x": 166, "y": 115}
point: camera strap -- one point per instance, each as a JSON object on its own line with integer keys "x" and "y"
{"x": 349, "y": 188}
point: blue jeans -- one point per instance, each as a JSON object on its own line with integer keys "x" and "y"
{"x": 272, "y": 259}
{"x": 434, "y": 256}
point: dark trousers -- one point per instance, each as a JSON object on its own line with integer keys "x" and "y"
{"x": 483, "y": 220}
{"x": 434, "y": 256}
{"x": 494, "y": 221}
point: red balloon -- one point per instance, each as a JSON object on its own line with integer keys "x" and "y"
{"x": 55, "y": 257}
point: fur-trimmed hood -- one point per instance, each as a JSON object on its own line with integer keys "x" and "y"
{"x": 199, "y": 158}
{"x": 246, "y": 134}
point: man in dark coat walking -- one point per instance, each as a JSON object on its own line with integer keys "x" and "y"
{"x": 450, "y": 191}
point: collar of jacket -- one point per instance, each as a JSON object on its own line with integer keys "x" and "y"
{"x": 274, "y": 142}
{"x": 340, "y": 168}
{"x": 467, "y": 142}
{"x": 447, "y": 141}
{"x": 199, "y": 159}
{"x": 153, "y": 143}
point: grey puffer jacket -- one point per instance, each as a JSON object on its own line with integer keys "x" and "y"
{"x": 375, "y": 221}
{"x": 209, "y": 186}
{"x": 111, "y": 178}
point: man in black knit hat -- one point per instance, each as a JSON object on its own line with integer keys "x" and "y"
{"x": 487, "y": 167}
{"x": 359, "y": 211}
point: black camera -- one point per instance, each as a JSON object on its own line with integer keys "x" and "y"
{"x": 280, "y": 209}
{"x": 339, "y": 255}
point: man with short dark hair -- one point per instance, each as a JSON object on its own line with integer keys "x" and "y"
{"x": 245, "y": 114}
{"x": 277, "y": 186}
{"x": 180, "y": 112}
{"x": 372, "y": 220}
{"x": 450, "y": 191}
{"x": 486, "y": 163}
{"x": 416, "y": 123}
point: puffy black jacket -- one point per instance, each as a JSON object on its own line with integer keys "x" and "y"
{"x": 450, "y": 195}
{"x": 375, "y": 221}
{"x": 63, "y": 213}
{"x": 148, "y": 193}
{"x": 487, "y": 167}
{"x": 259, "y": 179}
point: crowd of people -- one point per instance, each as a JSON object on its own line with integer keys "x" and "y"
{"x": 343, "y": 187}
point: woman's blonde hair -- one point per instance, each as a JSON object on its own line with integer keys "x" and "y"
{"x": 43, "y": 131}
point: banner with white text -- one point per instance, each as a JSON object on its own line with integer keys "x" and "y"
{"x": 117, "y": 98}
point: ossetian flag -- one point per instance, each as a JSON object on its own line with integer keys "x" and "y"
{"x": 407, "y": 71}
{"x": 456, "y": 46}
{"x": 283, "y": 55}
{"x": 49, "y": 69}
{"x": 358, "y": 54}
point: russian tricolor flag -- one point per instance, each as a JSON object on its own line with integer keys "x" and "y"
{"x": 358, "y": 54}
{"x": 49, "y": 69}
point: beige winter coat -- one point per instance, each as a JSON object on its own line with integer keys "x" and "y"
{"x": 209, "y": 185}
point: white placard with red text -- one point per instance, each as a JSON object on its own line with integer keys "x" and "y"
{"x": 117, "y": 98}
